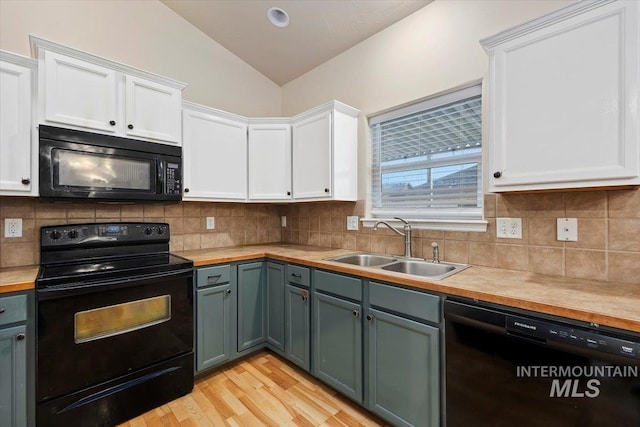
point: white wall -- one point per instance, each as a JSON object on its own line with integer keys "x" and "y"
{"x": 147, "y": 35}
{"x": 430, "y": 51}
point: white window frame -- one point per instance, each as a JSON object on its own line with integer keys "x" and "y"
{"x": 454, "y": 220}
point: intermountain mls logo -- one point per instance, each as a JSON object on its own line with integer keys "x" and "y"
{"x": 576, "y": 381}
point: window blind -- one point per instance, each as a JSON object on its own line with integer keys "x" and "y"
{"x": 427, "y": 158}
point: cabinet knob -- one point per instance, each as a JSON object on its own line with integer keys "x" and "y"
{"x": 112, "y": 122}
{"x": 369, "y": 317}
{"x": 26, "y": 181}
{"x": 20, "y": 337}
{"x": 356, "y": 313}
{"x": 288, "y": 193}
{"x": 303, "y": 294}
{"x": 326, "y": 190}
{"x": 497, "y": 174}
{"x": 186, "y": 190}
{"x": 228, "y": 291}
{"x": 130, "y": 126}
{"x": 2, "y": 310}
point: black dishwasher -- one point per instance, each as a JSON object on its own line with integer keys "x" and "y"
{"x": 507, "y": 367}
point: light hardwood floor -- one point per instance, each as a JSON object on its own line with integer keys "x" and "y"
{"x": 260, "y": 390}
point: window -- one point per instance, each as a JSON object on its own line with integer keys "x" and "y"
{"x": 427, "y": 159}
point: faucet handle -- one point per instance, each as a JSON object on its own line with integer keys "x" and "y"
{"x": 434, "y": 245}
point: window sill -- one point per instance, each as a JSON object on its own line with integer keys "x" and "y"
{"x": 479, "y": 226}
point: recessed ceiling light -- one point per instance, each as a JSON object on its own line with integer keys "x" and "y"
{"x": 278, "y": 17}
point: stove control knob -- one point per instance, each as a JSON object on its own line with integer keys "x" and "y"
{"x": 148, "y": 231}
{"x": 55, "y": 235}
{"x": 72, "y": 234}
{"x": 160, "y": 230}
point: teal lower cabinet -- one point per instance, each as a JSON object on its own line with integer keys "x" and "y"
{"x": 297, "y": 326}
{"x": 275, "y": 307}
{"x": 214, "y": 316}
{"x": 337, "y": 343}
{"x": 403, "y": 357}
{"x": 13, "y": 361}
{"x": 403, "y": 377}
{"x": 251, "y": 305}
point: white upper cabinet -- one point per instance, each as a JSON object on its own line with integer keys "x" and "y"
{"x": 269, "y": 159}
{"x": 564, "y": 89}
{"x": 18, "y": 160}
{"x": 215, "y": 154}
{"x": 325, "y": 153}
{"x": 152, "y": 110}
{"x": 86, "y": 92}
{"x": 78, "y": 93}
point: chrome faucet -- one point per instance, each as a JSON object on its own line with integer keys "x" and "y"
{"x": 436, "y": 253}
{"x": 407, "y": 234}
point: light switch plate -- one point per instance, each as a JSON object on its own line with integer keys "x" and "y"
{"x": 352, "y": 223}
{"x": 509, "y": 228}
{"x": 13, "y": 227}
{"x": 568, "y": 229}
{"x": 211, "y": 223}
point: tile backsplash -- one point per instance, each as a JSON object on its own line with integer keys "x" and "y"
{"x": 608, "y": 246}
{"x": 235, "y": 223}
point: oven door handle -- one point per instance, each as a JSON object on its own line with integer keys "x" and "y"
{"x": 79, "y": 288}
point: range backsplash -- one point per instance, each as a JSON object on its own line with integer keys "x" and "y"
{"x": 235, "y": 223}
{"x": 608, "y": 246}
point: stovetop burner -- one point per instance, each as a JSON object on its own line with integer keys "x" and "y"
{"x": 87, "y": 253}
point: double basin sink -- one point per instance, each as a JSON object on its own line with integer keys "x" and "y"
{"x": 414, "y": 267}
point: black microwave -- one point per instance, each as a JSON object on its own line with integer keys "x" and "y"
{"x": 83, "y": 165}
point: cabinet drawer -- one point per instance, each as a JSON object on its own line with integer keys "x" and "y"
{"x": 405, "y": 301}
{"x": 13, "y": 309}
{"x": 216, "y": 275}
{"x": 337, "y": 284}
{"x": 298, "y": 275}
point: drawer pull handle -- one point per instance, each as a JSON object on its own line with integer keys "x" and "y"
{"x": 20, "y": 337}
{"x": 297, "y": 276}
{"x": 2, "y": 310}
{"x": 215, "y": 276}
{"x": 228, "y": 291}
{"x": 356, "y": 313}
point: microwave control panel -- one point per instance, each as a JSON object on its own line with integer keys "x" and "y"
{"x": 173, "y": 178}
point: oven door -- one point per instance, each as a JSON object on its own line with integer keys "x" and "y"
{"x": 91, "y": 333}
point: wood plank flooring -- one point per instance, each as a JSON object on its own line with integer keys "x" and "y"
{"x": 261, "y": 390}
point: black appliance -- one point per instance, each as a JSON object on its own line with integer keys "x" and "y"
{"x": 114, "y": 323}
{"x": 507, "y": 367}
{"x": 84, "y": 165}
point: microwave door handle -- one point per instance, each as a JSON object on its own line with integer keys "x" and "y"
{"x": 160, "y": 180}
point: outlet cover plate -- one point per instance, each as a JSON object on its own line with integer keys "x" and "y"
{"x": 283, "y": 220}
{"x": 509, "y": 228}
{"x": 567, "y": 229}
{"x": 211, "y": 223}
{"x": 13, "y": 227}
{"x": 352, "y": 223}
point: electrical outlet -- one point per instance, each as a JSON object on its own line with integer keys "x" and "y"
{"x": 13, "y": 227}
{"x": 509, "y": 228}
{"x": 567, "y": 229}
{"x": 211, "y": 223}
{"x": 283, "y": 220}
{"x": 352, "y": 223}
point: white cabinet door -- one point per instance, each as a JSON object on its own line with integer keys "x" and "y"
{"x": 15, "y": 129}
{"x": 270, "y": 162}
{"x": 564, "y": 100}
{"x": 152, "y": 110}
{"x": 215, "y": 157}
{"x": 311, "y": 163}
{"x": 79, "y": 93}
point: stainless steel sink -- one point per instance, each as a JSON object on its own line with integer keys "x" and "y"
{"x": 415, "y": 267}
{"x": 425, "y": 268}
{"x": 364, "y": 260}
